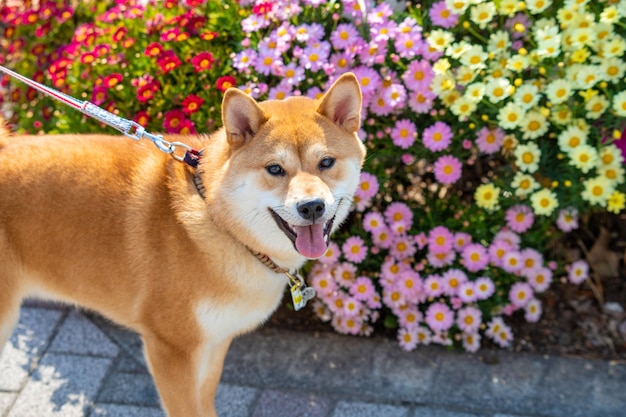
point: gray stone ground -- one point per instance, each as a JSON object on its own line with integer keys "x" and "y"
{"x": 62, "y": 362}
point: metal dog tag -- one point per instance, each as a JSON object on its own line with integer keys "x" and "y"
{"x": 300, "y": 293}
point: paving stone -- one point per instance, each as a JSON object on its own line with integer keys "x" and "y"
{"x": 6, "y": 401}
{"x": 26, "y": 345}
{"x": 129, "y": 388}
{"x": 438, "y": 412}
{"x": 116, "y": 410}
{"x": 61, "y": 386}
{"x": 608, "y": 395}
{"x": 289, "y": 404}
{"x": 78, "y": 335}
{"x": 352, "y": 409}
{"x": 234, "y": 401}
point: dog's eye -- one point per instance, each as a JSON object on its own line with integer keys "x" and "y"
{"x": 275, "y": 170}
{"x": 326, "y": 163}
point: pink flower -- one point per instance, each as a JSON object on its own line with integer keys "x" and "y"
{"x": 421, "y": 101}
{"x": 410, "y": 317}
{"x": 484, "y": 288}
{"x": 168, "y": 61}
{"x": 439, "y": 317}
{"x": 519, "y": 218}
{"x": 467, "y": 292}
{"x": 512, "y": 262}
{"x": 433, "y": 286}
{"x": 410, "y": 284}
{"x": 344, "y": 36}
{"x": 461, "y": 239}
{"x": 398, "y": 212}
{"x": 475, "y": 257}
{"x": 402, "y": 247}
{"x": 418, "y": 75}
{"x": 440, "y": 259}
{"x": 448, "y": 169}
{"x": 533, "y": 311}
{"x": 323, "y": 283}
{"x": 407, "y": 338}
{"x": 578, "y": 272}
{"x": 403, "y": 134}
{"x": 173, "y": 121}
{"x": 382, "y": 237}
{"x": 568, "y": 219}
{"x": 531, "y": 259}
{"x": 489, "y": 141}
{"x": 192, "y": 103}
{"x": 368, "y": 186}
{"x": 452, "y": 280}
{"x": 497, "y": 250}
{"x": 437, "y": 137}
{"x": 471, "y": 342}
{"x": 469, "y": 319}
{"x": 354, "y": 249}
{"x": 331, "y": 255}
{"x": 520, "y": 294}
{"x": 362, "y": 289}
{"x": 373, "y": 221}
{"x": 499, "y": 332}
{"x": 440, "y": 239}
{"x": 540, "y": 278}
{"x": 440, "y": 15}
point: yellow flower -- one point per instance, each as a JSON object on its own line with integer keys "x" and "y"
{"x": 616, "y": 202}
{"x": 544, "y": 202}
{"x": 487, "y": 196}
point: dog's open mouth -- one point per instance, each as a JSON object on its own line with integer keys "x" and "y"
{"x": 310, "y": 241}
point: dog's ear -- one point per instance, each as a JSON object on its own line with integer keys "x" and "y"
{"x": 342, "y": 102}
{"x": 241, "y": 115}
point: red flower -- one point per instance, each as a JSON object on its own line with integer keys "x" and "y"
{"x": 87, "y": 57}
{"x": 154, "y": 49}
{"x": 99, "y": 95}
{"x": 173, "y": 120}
{"x": 119, "y": 34}
{"x": 209, "y": 36}
{"x": 112, "y": 80}
{"x": 192, "y": 103}
{"x": 203, "y": 61}
{"x": 170, "y": 35}
{"x": 262, "y": 8}
{"x": 187, "y": 127}
{"x": 43, "y": 30}
{"x": 142, "y": 118}
{"x": 168, "y": 61}
{"x": 225, "y": 82}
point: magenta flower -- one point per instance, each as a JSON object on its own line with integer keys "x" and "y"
{"x": 202, "y": 61}
{"x": 418, "y": 75}
{"x": 439, "y": 317}
{"x": 469, "y": 319}
{"x": 440, "y": 15}
{"x": 398, "y": 212}
{"x": 354, "y": 249}
{"x": 404, "y": 133}
{"x": 475, "y": 257}
{"x": 440, "y": 239}
{"x": 489, "y": 141}
{"x": 520, "y": 294}
{"x": 519, "y": 218}
{"x": 448, "y": 169}
{"x": 168, "y": 61}
{"x": 437, "y": 137}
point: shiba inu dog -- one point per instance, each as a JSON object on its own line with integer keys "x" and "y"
{"x": 189, "y": 258}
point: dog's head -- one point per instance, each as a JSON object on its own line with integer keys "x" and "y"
{"x": 292, "y": 168}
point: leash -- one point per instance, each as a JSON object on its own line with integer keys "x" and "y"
{"x": 300, "y": 293}
{"x": 129, "y": 128}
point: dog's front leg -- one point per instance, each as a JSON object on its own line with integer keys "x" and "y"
{"x": 211, "y": 366}
{"x": 175, "y": 373}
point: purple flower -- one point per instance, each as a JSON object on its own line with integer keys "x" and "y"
{"x": 404, "y": 134}
{"x": 448, "y": 169}
{"x": 344, "y": 36}
{"x": 418, "y": 75}
{"x": 437, "y": 137}
{"x": 440, "y": 15}
{"x": 519, "y": 218}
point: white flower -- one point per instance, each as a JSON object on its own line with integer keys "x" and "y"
{"x": 619, "y": 103}
{"x": 527, "y": 157}
{"x": 458, "y": 6}
{"x": 481, "y": 14}
{"x": 583, "y": 157}
{"x": 596, "y": 106}
{"x": 527, "y": 96}
{"x": 612, "y": 69}
{"x": 524, "y": 184}
{"x": 571, "y": 138}
{"x": 439, "y": 39}
{"x": 510, "y": 116}
{"x": 499, "y": 41}
{"x": 475, "y": 92}
{"x": 534, "y": 125}
{"x": 597, "y": 190}
{"x": 537, "y": 6}
{"x": 544, "y": 202}
{"x": 475, "y": 57}
{"x": 498, "y": 89}
{"x": 559, "y": 91}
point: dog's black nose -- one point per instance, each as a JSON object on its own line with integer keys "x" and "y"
{"x": 312, "y": 209}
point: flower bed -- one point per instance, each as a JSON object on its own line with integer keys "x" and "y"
{"x": 491, "y": 132}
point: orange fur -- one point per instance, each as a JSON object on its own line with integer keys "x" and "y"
{"x": 120, "y": 228}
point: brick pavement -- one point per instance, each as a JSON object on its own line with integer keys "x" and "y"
{"x": 62, "y": 362}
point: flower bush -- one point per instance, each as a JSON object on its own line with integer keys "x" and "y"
{"x": 491, "y": 127}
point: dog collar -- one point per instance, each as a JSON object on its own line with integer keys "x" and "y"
{"x": 300, "y": 293}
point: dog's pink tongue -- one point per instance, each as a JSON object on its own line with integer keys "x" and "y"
{"x": 310, "y": 241}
